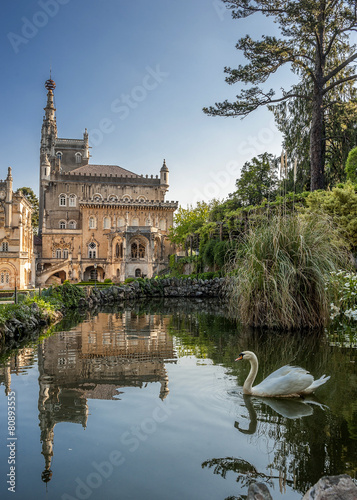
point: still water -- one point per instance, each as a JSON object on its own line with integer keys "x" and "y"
{"x": 146, "y": 402}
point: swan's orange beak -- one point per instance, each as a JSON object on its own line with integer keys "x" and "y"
{"x": 240, "y": 357}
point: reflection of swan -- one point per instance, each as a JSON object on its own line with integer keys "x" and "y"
{"x": 287, "y": 408}
{"x": 287, "y": 381}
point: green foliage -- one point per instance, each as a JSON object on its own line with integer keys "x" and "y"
{"x": 188, "y": 221}
{"x": 314, "y": 43}
{"x": 278, "y": 277}
{"x": 341, "y": 204}
{"x": 258, "y": 180}
{"x": 108, "y": 281}
{"x": 66, "y": 294}
{"x": 351, "y": 165}
{"x": 32, "y": 198}
{"x": 129, "y": 280}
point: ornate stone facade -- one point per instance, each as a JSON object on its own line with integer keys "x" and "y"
{"x": 16, "y": 238}
{"x": 97, "y": 221}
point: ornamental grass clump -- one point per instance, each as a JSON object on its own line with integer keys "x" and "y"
{"x": 278, "y": 275}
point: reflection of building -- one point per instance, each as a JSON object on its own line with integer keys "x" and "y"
{"x": 97, "y": 221}
{"x": 102, "y": 355}
{"x": 17, "y": 364}
{"x": 16, "y": 238}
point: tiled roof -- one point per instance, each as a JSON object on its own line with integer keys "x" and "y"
{"x": 103, "y": 170}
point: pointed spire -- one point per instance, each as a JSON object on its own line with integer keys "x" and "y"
{"x": 164, "y": 166}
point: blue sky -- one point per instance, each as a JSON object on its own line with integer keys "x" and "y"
{"x": 136, "y": 74}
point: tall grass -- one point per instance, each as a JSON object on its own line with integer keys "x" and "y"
{"x": 278, "y": 275}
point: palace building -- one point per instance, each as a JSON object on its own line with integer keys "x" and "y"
{"x": 16, "y": 238}
{"x": 97, "y": 221}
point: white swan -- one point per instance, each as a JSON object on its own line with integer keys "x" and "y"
{"x": 288, "y": 381}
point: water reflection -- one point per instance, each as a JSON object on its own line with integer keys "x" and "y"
{"x": 93, "y": 361}
{"x": 298, "y": 440}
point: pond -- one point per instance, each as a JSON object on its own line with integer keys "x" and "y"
{"x": 147, "y": 402}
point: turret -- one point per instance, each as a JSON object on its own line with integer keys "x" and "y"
{"x": 86, "y": 144}
{"x": 164, "y": 176}
{"x": 47, "y": 150}
{"x": 8, "y": 202}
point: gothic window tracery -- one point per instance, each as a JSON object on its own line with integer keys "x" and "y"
{"x": 137, "y": 251}
{"x": 4, "y": 277}
{"x": 62, "y": 200}
{"x": 62, "y": 224}
{"x": 92, "y": 250}
{"x": 119, "y": 250}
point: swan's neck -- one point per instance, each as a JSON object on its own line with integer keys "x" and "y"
{"x": 248, "y": 384}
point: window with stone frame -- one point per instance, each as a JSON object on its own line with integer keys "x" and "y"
{"x": 72, "y": 200}
{"x": 92, "y": 250}
{"x": 62, "y": 200}
{"x": 4, "y": 246}
{"x": 92, "y": 222}
{"x": 4, "y": 277}
{"x": 106, "y": 223}
{"x": 58, "y": 253}
{"x": 78, "y": 157}
{"x": 72, "y": 224}
{"x": 62, "y": 224}
{"x": 119, "y": 250}
{"x": 65, "y": 253}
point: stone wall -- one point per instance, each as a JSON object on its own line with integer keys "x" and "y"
{"x": 168, "y": 287}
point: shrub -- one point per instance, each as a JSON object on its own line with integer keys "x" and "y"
{"x": 278, "y": 276}
{"x": 351, "y": 165}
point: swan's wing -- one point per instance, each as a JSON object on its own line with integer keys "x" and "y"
{"x": 286, "y": 381}
{"x": 284, "y": 370}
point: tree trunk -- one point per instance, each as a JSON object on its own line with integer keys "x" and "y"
{"x": 317, "y": 143}
{"x": 317, "y": 150}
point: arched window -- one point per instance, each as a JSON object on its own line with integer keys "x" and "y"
{"x": 135, "y": 221}
{"x": 141, "y": 198}
{"x": 72, "y": 200}
{"x": 134, "y": 251}
{"x": 65, "y": 253}
{"x": 138, "y": 273}
{"x": 4, "y": 246}
{"x": 120, "y": 222}
{"x": 58, "y": 253}
{"x": 106, "y": 223}
{"x": 72, "y": 224}
{"x": 119, "y": 250}
{"x": 97, "y": 197}
{"x": 118, "y": 273}
{"x": 92, "y": 222}
{"x": 126, "y": 197}
{"x": 62, "y": 200}
{"x": 4, "y": 277}
{"x": 112, "y": 197}
{"x": 59, "y": 155}
{"x": 141, "y": 251}
{"x": 62, "y": 224}
{"x": 92, "y": 250}
{"x": 78, "y": 157}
